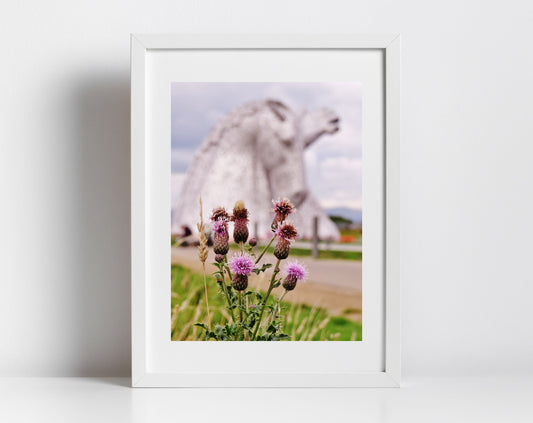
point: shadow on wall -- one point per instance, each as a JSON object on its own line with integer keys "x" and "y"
{"x": 102, "y": 129}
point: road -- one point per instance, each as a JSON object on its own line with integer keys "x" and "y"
{"x": 333, "y": 284}
{"x": 329, "y": 246}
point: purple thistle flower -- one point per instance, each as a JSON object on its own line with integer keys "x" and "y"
{"x": 296, "y": 270}
{"x": 241, "y": 265}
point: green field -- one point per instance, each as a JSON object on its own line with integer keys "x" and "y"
{"x": 301, "y": 322}
{"x": 322, "y": 254}
{"x": 325, "y": 254}
{"x": 352, "y": 232}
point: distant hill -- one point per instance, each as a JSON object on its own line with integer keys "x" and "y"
{"x": 356, "y": 216}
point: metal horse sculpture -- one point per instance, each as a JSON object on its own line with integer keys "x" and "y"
{"x": 256, "y": 154}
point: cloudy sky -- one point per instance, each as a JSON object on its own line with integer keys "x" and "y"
{"x": 333, "y": 163}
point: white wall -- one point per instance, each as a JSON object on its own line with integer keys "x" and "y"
{"x": 466, "y": 173}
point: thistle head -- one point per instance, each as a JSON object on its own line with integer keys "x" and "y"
{"x": 296, "y": 270}
{"x": 221, "y": 237}
{"x": 282, "y": 209}
{"x": 241, "y": 265}
{"x": 220, "y": 228}
{"x": 219, "y": 214}
{"x": 287, "y": 232}
{"x": 239, "y": 282}
{"x": 240, "y": 212}
{"x": 240, "y": 217}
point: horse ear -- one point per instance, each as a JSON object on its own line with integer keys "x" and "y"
{"x": 278, "y": 108}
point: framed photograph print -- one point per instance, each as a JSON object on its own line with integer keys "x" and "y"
{"x": 265, "y": 210}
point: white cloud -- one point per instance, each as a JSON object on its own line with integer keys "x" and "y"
{"x": 341, "y": 200}
{"x": 340, "y": 168}
{"x": 339, "y": 182}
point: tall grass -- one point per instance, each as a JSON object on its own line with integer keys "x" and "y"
{"x": 302, "y": 322}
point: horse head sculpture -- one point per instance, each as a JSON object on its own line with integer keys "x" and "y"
{"x": 256, "y": 153}
{"x": 282, "y": 155}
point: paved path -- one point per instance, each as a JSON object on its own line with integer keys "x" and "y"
{"x": 329, "y": 246}
{"x": 333, "y": 284}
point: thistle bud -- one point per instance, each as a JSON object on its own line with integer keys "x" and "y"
{"x": 285, "y": 234}
{"x": 282, "y": 209}
{"x": 240, "y": 217}
{"x": 294, "y": 272}
{"x": 219, "y": 213}
{"x": 282, "y": 249}
{"x": 219, "y": 258}
{"x": 289, "y": 283}
{"x": 239, "y": 282}
{"x": 252, "y": 241}
{"x": 221, "y": 237}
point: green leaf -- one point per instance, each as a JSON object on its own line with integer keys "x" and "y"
{"x": 202, "y": 325}
{"x": 263, "y": 268}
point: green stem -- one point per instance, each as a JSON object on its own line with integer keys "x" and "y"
{"x": 240, "y": 305}
{"x": 278, "y": 308}
{"x": 227, "y": 268}
{"x": 265, "y": 249}
{"x": 272, "y": 280}
{"x": 246, "y": 333}
{"x": 226, "y": 293}
{"x": 241, "y": 329}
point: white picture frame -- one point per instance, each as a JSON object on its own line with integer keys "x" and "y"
{"x": 143, "y": 375}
